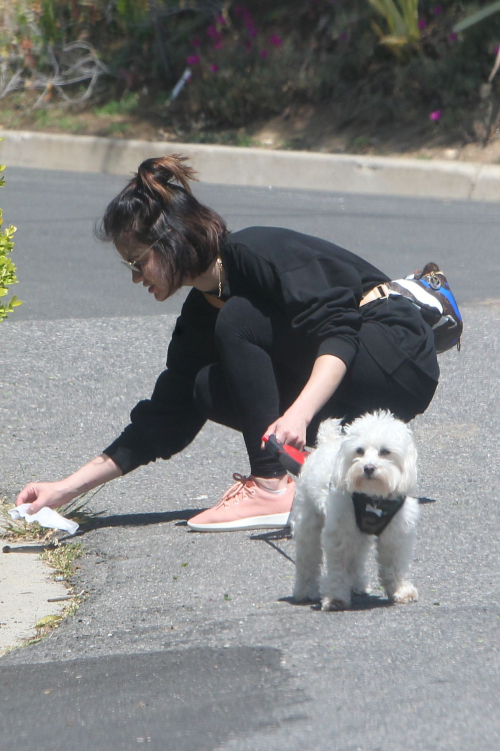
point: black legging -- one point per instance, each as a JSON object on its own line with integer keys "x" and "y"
{"x": 264, "y": 366}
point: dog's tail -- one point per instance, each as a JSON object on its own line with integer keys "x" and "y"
{"x": 330, "y": 431}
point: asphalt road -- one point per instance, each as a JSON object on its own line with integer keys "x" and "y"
{"x": 190, "y": 641}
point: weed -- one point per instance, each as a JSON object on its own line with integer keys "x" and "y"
{"x": 70, "y": 124}
{"x": 115, "y": 129}
{"x": 77, "y": 510}
{"x": 20, "y": 529}
{"x": 43, "y": 118}
{"x": 360, "y": 144}
{"x": 45, "y": 625}
{"x": 62, "y": 557}
{"x": 124, "y": 106}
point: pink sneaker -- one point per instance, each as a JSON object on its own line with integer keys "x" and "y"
{"x": 246, "y": 506}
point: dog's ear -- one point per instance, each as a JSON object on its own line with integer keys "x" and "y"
{"x": 339, "y": 471}
{"x": 409, "y": 476}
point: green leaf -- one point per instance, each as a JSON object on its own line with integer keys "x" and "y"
{"x": 7, "y": 268}
{"x": 49, "y": 620}
{"x": 477, "y": 17}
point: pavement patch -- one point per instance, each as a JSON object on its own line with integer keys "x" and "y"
{"x": 182, "y": 700}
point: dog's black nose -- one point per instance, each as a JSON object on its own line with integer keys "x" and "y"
{"x": 369, "y": 469}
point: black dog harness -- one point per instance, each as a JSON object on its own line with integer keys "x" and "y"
{"x": 374, "y": 514}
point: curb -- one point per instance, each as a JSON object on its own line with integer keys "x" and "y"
{"x": 257, "y": 167}
{"x": 22, "y": 609}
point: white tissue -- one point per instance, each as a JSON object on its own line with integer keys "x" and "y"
{"x": 46, "y": 517}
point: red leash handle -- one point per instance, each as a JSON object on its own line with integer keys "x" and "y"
{"x": 291, "y": 458}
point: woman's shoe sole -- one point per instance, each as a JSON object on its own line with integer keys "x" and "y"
{"x": 270, "y": 521}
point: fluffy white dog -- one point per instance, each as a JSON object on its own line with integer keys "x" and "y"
{"x": 356, "y": 487}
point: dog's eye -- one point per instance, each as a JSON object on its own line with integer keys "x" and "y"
{"x": 384, "y": 452}
{"x": 360, "y": 451}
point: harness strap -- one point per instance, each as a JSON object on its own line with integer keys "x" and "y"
{"x": 374, "y": 514}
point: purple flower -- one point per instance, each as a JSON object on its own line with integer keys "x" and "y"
{"x": 252, "y": 31}
{"x": 264, "y": 54}
{"x": 275, "y": 40}
{"x": 453, "y": 37}
{"x": 438, "y": 9}
{"x": 193, "y": 59}
{"x": 422, "y": 23}
{"x": 196, "y": 42}
{"x": 221, "y": 20}
{"x": 214, "y": 68}
{"x": 495, "y": 50}
{"x": 436, "y": 116}
{"x": 214, "y": 34}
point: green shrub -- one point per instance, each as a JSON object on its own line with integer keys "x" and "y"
{"x": 7, "y": 268}
{"x": 377, "y": 61}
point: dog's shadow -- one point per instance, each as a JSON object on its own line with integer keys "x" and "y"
{"x": 359, "y": 602}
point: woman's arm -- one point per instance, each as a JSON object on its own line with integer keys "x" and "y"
{"x": 326, "y": 376}
{"x": 167, "y": 422}
{"x": 54, "y": 494}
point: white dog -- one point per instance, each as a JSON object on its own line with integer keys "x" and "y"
{"x": 356, "y": 487}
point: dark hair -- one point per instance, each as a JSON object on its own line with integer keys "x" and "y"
{"x": 157, "y": 209}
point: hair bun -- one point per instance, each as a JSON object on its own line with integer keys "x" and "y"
{"x": 159, "y": 175}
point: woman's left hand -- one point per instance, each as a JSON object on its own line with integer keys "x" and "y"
{"x": 289, "y": 428}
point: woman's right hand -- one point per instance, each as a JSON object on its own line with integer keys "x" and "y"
{"x": 54, "y": 494}
{"x": 40, "y": 494}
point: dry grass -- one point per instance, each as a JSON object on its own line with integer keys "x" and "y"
{"x": 77, "y": 510}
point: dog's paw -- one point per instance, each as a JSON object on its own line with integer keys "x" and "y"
{"x": 361, "y": 588}
{"x": 406, "y": 593}
{"x": 328, "y": 603}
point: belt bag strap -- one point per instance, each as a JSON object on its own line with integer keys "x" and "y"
{"x": 430, "y": 292}
{"x": 377, "y": 293}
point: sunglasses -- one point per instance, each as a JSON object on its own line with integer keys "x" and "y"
{"x": 137, "y": 266}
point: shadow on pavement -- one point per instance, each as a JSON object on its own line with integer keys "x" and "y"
{"x": 359, "y": 602}
{"x": 276, "y": 534}
{"x": 140, "y": 520}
